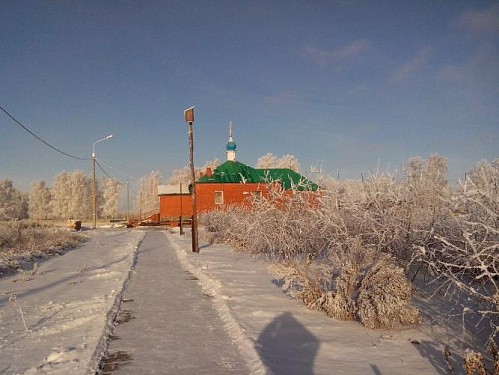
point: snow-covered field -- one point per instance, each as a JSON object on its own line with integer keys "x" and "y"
{"x": 56, "y": 319}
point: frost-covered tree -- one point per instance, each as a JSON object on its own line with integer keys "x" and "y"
{"x": 147, "y": 197}
{"x": 13, "y": 203}
{"x": 60, "y": 196}
{"x": 110, "y": 194}
{"x": 81, "y": 202}
{"x": 184, "y": 175}
{"x": 290, "y": 162}
{"x": 266, "y": 161}
{"x": 269, "y": 160}
{"x": 72, "y": 195}
{"x": 39, "y": 201}
{"x": 181, "y": 176}
{"x": 211, "y": 164}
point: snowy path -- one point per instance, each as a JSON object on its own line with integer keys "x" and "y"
{"x": 171, "y": 326}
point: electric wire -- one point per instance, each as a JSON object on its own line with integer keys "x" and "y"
{"x": 40, "y": 139}
{"x": 103, "y": 171}
{"x": 130, "y": 179}
{"x": 62, "y": 152}
{"x": 120, "y": 171}
{"x": 132, "y": 189}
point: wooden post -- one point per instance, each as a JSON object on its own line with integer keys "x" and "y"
{"x": 181, "y": 211}
{"x": 189, "y": 118}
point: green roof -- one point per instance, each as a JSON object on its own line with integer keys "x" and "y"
{"x": 232, "y": 172}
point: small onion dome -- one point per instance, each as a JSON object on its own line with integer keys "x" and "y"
{"x": 231, "y": 146}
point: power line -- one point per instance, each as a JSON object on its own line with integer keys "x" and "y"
{"x": 132, "y": 189}
{"x": 40, "y": 139}
{"x": 129, "y": 178}
{"x": 119, "y": 170}
{"x": 103, "y": 171}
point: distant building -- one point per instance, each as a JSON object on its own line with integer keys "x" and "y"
{"x": 230, "y": 183}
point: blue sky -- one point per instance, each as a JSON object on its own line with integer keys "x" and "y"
{"x": 350, "y": 85}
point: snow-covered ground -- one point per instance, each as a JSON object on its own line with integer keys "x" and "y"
{"x": 280, "y": 336}
{"x": 57, "y": 319}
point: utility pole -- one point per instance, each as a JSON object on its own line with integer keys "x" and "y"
{"x": 181, "y": 211}
{"x": 127, "y": 201}
{"x": 95, "y": 180}
{"x": 189, "y": 118}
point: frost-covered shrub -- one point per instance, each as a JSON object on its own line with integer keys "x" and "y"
{"x": 317, "y": 245}
{"x": 473, "y": 364}
{"x": 24, "y": 240}
{"x": 384, "y": 296}
{"x": 227, "y": 225}
{"x": 287, "y": 227}
{"x": 462, "y": 253}
{"x": 445, "y": 240}
{"x": 391, "y": 215}
{"x": 353, "y": 283}
{"x": 278, "y": 227}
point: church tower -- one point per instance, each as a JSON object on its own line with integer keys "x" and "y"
{"x": 231, "y": 146}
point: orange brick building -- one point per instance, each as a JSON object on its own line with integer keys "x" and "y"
{"x": 230, "y": 183}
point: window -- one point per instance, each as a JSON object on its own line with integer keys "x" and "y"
{"x": 219, "y": 197}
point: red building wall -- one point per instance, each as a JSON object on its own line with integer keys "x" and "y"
{"x": 175, "y": 205}
{"x": 232, "y": 194}
{"x": 169, "y": 205}
{"x": 237, "y": 193}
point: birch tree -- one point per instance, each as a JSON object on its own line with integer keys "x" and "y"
{"x": 81, "y": 195}
{"x": 13, "y": 203}
{"x": 184, "y": 175}
{"x": 39, "y": 201}
{"x": 60, "y": 199}
{"x": 269, "y": 161}
{"x": 72, "y": 195}
{"x": 289, "y": 162}
{"x": 110, "y": 194}
{"x": 147, "y": 198}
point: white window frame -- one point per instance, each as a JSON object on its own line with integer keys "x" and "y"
{"x": 219, "y": 197}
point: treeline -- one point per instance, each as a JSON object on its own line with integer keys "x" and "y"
{"x": 70, "y": 197}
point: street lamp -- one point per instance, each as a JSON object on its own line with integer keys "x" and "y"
{"x": 189, "y": 118}
{"x": 95, "y": 181}
{"x": 127, "y": 202}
